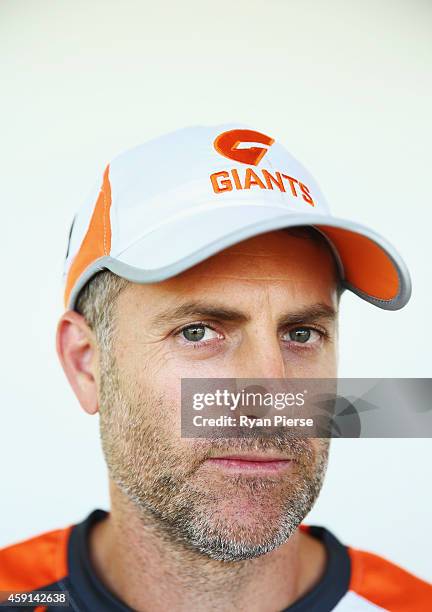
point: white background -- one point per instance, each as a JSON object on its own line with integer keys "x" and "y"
{"x": 346, "y": 85}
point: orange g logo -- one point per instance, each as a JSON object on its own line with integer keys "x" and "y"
{"x": 227, "y": 144}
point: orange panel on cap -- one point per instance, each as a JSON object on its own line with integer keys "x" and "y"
{"x": 97, "y": 241}
{"x": 367, "y": 266}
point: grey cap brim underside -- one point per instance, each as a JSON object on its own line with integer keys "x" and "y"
{"x": 142, "y": 276}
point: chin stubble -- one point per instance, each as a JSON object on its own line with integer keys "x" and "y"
{"x": 165, "y": 485}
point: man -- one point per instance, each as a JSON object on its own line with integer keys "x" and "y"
{"x": 208, "y": 253}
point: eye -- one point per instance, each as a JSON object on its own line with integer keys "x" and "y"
{"x": 304, "y": 335}
{"x": 197, "y": 333}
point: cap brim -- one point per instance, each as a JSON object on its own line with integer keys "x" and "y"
{"x": 368, "y": 265}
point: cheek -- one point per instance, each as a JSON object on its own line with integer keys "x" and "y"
{"x": 328, "y": 363}
{"x": 164, "y": 387}
{"x": 326, "y": 366}
{"x": 143, "y": 361}
{"x": 152, "y": 384}
{"x": 319, "y": 364}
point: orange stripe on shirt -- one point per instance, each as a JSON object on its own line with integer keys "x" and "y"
{"x": 35, "y": 562}
{"x": 387, "y": 585}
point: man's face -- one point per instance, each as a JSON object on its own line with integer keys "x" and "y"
{"x": 260, "y": 309}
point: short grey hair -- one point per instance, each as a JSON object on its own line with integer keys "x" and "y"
{"x": 96, "y": 303}
{"x": 97, "y": 300}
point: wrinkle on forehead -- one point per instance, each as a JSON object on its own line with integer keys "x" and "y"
{"x": 270, "y": 257}
{"x": 304, "y": 269}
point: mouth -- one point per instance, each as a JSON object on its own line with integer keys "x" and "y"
{"x": 260, "y": 463}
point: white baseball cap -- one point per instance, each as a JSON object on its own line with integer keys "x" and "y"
{"x": 168, "y": 204}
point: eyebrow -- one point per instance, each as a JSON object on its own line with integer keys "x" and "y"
{"x": 198, "y": 309}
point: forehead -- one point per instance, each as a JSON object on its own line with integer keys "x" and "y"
{"x": 298, "y": 265}
{"x": 272, "y": 255}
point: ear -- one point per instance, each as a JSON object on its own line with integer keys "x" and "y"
{"x": 78, "y": 353}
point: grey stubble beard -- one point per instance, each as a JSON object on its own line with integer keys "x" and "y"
{"x": 166, "y": 486}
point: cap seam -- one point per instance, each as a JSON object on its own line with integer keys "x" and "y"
{"x": 372, "y": 297}
{"x": 104, "y": 215}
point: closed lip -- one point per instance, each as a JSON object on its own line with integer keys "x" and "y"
{"x": 255, "y": 458}
{"x": 252, "y": 463}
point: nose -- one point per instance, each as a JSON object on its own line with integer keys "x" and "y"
{"x": 261, "y": 356}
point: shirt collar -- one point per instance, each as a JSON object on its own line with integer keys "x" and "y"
{"x": 95, "y": 596}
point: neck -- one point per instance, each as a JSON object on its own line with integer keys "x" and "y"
{"x": 146, "y": 569}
